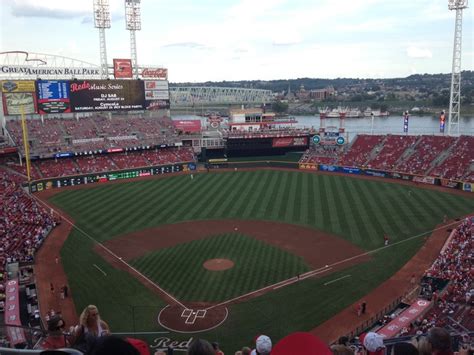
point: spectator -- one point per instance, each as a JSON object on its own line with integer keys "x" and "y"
{"x": 440, "y": 341}
{"x": 200, "y": 347}
{"x": 215, "y": 346}
{"x": 263, "y": 346}
{"x": 90, "y": 328}
{"x": 373, "y": 342}
{"x": 422, "y": 344}
{"x": 404, "y": 349}
{"x": 56, "y": 338}
{"x": 341, "y": 349}
{"x": 113, "y": 345}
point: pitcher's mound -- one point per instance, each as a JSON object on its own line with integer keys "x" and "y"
{"x": 218, "y": 264}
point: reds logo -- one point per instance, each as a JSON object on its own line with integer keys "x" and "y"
{"x": 122, "y": 68}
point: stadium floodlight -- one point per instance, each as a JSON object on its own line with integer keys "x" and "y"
{"x": 133, "y": 23}
{"x": 455, "y": 92}
{"x": 102, "y": 21}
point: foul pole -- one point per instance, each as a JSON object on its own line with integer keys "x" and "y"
{"x": 25, "y": 142}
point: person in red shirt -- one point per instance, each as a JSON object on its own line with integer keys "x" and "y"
{"x": 218, "y": 351}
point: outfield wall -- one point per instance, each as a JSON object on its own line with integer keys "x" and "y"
{"x": 47, "y": 184}
{"x": 76, "y": 180}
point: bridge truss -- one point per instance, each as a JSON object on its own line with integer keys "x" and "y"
{"x": 198, "y": 95}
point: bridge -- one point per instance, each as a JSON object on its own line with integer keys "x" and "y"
{"x": 202, "y": 95}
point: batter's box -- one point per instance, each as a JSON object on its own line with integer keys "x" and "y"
{"x": 186, "y": 313}
{"x": 192, "y": 315}
{"x": 201, "y": 313}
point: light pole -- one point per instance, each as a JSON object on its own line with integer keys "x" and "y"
{"x": 102, "y": 21}
{"x": 455, "y": 95}
{"x": 133, "y": 23}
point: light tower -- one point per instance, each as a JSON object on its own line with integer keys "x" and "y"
{"x": 102, "y": 21}
{"x": 455, "y": 95}
{"x": 133, "y": 23}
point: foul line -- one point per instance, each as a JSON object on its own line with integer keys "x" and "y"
{"x": 328, "y": 267}
{"x": 98, "y": 268}
{"x": 115, "y": 256}
{"x": 274, "y": 286}
{"x": 330, "y": 282}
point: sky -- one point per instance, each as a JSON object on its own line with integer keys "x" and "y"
{"x": 217, "y": 40}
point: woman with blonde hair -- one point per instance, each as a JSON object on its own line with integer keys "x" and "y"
{"x": 90, "y": 327}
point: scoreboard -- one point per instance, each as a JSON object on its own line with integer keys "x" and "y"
{"x": 65, "y": 96}
{"x": 53, "y": 96}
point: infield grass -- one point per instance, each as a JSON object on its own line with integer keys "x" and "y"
{"x": 361, "y": 211}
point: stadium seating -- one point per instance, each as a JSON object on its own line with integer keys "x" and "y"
{"x": 393, "y": 148}
{"x": 91, "y": 133}
{"x": 360, "y": 150}
{"x": 440, "y": 156}
{"x": 426, "y": 150}
{"x": 457, "y": 165}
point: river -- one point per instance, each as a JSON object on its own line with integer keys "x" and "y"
{"x": 382, "y": 125}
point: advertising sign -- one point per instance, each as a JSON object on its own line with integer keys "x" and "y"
{"x": 449, "y": 183}
{"x": 375, "y": 173}
{"x": 54, "y": 72}
{"x": 18, "y": 86}
{"x": 14, "y": 101}
{"x": 158, "y": 73}
{"x": 107, "y": 95}
{"x": 53, "y": 96}
{"x": 324, "y": 167}
{"x": 12, "y": 312}
{"x": 188, "y": 125}
{"x": 442, "y": 122}
{"x": 156, "y": 85}
{"x": 424, "y": 179}
{"x": 405, "y": 122}
{"x": 157, "y": 104}
{"x": 404, "y": 319}
{"x": 122, "y": 68}
{"x": 156, "y": 95}
{"x": 17, "y": 94}
{"x": 468, "y": 187}
{"x": 289, "y": 142}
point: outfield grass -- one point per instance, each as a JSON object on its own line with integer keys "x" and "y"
{"x": 360, "y": 211}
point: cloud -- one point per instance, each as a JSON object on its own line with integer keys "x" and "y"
{"x": 191, "y": 45}
{"x": 49, "y": 8}
{"x": 62, "y": 9}
{"x": 417, "y": 52}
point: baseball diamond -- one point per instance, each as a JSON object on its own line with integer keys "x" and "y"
{"x": 289, "y": 234}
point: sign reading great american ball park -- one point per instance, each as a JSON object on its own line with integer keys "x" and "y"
{"x": 48, "y": 71}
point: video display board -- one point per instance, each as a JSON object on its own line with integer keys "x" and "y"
{"x": 53, "y": 96}
{"x": 18, "y": 94}
{"x": 107, "y": 95}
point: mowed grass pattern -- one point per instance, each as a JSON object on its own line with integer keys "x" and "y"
{"x": 180, "y": 271}
{"x": 361, "y": 211}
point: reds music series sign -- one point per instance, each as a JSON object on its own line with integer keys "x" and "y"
{"x": 106, "y": 95}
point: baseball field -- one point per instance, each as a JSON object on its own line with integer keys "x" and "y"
{"x": 263, "y": 251}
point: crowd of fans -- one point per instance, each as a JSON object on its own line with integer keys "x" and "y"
{"x": 439, "y": 156}
{"x": 51, "y": 135}
{"x": 452, "y": 305}
{"x": 97, "y": 163}
{"x": 24, "y": 224}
